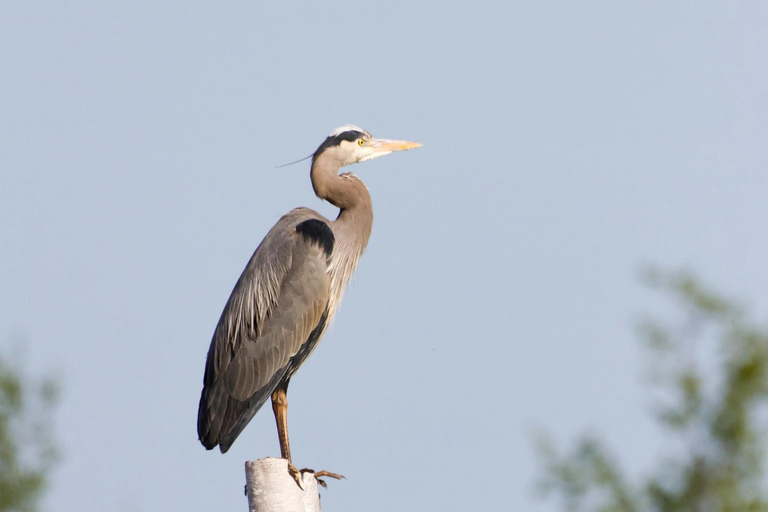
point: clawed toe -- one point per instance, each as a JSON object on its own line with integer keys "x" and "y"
{"x": 296, "y": 474}
{"x": 322, "y": 473}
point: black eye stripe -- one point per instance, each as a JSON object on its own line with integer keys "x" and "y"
{"x": 335, "y": 140}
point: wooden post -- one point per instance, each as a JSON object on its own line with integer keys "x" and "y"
{"x": 271, "y": 488}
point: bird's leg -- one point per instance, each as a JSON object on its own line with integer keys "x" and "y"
{"x": 280, "y": 408}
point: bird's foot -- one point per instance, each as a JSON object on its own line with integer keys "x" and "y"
{"x": 296, "y": 474}
{"x": 322, "y": 473}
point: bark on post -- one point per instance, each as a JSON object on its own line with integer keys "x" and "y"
{"x": 271, "y": 488}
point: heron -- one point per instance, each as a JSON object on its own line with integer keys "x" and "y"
{"x": 287, "y": 295}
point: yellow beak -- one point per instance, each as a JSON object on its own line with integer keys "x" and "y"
{"x": 392, "y": 145}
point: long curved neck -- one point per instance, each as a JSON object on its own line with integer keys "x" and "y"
{"x": 348, "y": 193}
{"x": 352, "y": 228}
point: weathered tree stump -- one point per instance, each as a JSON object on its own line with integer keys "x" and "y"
{"x": 271, "y": 488}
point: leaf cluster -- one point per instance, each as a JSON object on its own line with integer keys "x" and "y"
{"x": 27, "y": 451}
{"x": 713, "y": 412}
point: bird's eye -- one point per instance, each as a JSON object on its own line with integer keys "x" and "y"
{"x": 360, "y": 142}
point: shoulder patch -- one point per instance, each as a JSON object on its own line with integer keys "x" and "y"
{"x": 314, "y": 230}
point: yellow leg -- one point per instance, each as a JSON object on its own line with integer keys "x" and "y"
{"x": 280, "y": 408}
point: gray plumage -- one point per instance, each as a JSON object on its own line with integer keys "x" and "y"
{"x": 288, "y": 292}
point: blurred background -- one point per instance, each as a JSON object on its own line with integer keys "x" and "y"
{"x": 567, "y": 146}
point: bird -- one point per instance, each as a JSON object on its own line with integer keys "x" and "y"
{"x": 287, "y": 295}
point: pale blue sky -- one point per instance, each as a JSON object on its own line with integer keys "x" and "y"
{"x": 566, "y": 144}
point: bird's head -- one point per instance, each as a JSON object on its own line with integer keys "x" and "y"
{"x": 349, "y": 145}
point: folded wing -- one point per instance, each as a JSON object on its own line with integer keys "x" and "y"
{"x": 273, "y": 319}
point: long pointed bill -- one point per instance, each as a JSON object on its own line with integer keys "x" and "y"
{"x": 393, "y": 145}
{"x": 383, "y": 147}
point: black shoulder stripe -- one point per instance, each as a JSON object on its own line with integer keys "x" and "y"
{"x": 317, "y": 231}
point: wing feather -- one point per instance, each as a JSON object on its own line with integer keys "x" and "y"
{"x": 275, "y": 306}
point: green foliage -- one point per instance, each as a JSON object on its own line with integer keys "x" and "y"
{"x": 713, "y": 414}
{"x": 26, "y": 448}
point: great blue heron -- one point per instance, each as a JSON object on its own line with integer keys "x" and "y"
{"x": 287, "y": 294}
